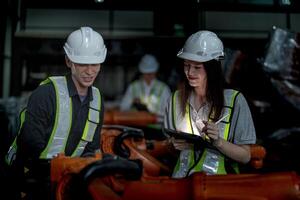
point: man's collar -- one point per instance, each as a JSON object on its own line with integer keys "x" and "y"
{"x": 151, "y": 83}
{"x": 72, "y": 88}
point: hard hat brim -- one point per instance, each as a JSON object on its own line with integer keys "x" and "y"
{"x": 145, "y": 71}
{"x": 86, "y": 59}
{"x": 193, "y": 57}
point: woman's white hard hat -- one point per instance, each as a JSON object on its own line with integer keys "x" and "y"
{"x": 202, "y": 46}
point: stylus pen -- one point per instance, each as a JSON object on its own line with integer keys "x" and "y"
{"x": 222, "y": 118}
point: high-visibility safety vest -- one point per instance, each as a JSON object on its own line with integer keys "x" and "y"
{"x": 63, "y": 122}
{"x": 209, "y": 160}
{"x": 152, "y": 101}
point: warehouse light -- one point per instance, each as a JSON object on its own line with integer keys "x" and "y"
{"x": 285, "y": 2}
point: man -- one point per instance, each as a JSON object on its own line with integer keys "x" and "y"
{"x": 64, "y": 114}
{"x": 147, "y": 93}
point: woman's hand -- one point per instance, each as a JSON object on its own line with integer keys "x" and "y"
{"x": 181, "y": 144}
{"x": 211, "y": 130}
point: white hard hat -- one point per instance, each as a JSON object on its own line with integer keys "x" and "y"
{"x": 148, "y": 64}
{"x": 85, "y": 46}
{"x": 202, "y": 46}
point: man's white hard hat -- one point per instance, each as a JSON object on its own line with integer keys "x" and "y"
{"x": 85, "y": 46}
{"x": 202, "y": 46}
{"x": 148, "y": 64}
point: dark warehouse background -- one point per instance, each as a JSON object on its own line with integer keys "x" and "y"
{"x": 32, "y": 33}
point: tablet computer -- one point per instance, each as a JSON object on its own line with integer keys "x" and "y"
{"x": 182, "y": 135}
{"x": 190, "y": 138}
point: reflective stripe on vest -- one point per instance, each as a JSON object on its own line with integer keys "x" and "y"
{"x": 12, "y": 151}
{"x": 63, "y": 120}
{"x": 91, "y": 123}
{"x": 186, "y": 156}
{"x": 211, "y": 161}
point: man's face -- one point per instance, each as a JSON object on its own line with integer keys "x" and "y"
{"x": 148, "y": 77}
{"x": 84, "y": 75}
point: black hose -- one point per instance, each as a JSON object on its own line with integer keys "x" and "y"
{"x": 109, "y": 165}
{"x": 121, "y": 149}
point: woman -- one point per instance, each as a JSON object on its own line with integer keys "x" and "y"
{"x": 198, "y": 106}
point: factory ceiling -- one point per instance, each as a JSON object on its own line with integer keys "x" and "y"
{"x": 238, "y": 5}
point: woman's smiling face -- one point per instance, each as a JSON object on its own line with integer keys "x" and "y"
{"x": 195, "y": 73}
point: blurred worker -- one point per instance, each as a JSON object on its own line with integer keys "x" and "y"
{"x": 202, "y": 101}
{"x": 64, "y": 114}
{"x": 147, "y": 93}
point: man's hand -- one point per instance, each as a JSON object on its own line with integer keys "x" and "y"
{"x": 137, "y": 103}
{"x": 137, "y": 100}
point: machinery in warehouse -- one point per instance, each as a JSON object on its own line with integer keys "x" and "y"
{"x": 281, "y": 66}
{"x": 131, "y": 167}
{"x": 150, "y": 123}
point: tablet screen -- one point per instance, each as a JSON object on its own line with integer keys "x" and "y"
{"x": 195, "y": 139}
{"x": 182, "y": 135}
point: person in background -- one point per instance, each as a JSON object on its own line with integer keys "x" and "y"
{"x": 146, "y": 93}
{"x": 64, "y": 114}
{"x": 203, "y": 107}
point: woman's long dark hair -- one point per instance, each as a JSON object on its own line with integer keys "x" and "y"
{"x": 214, "y": 90}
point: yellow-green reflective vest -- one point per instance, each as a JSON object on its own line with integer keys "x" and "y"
{"x": 153, "y": 100}
{"x": 63, "y": 122}
{"x": 210, "y": 161}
